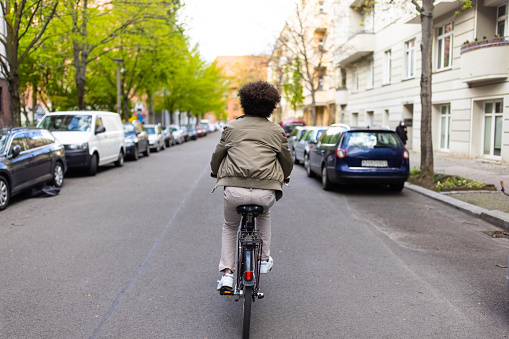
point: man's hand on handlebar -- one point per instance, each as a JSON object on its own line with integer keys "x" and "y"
{"x": 286, "y": 181}
{"x": 213, "y": 175}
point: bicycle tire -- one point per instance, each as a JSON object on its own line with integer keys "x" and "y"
{"x": 248, "y": 299}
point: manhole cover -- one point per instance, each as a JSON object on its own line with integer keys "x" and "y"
{"x": 497, "y": 234}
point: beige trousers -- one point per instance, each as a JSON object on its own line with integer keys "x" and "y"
{"x": 233, "y": 197}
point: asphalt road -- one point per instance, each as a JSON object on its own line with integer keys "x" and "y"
{"x": 133, "y": 253}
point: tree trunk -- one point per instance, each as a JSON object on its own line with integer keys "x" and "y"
{"x": 426, "y": 48}
{"x": 15, "y": 105}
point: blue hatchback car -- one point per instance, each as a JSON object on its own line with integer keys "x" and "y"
{"x": 372, "y": 156}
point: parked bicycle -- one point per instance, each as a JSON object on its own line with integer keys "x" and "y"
{"x": 249, "y": 253}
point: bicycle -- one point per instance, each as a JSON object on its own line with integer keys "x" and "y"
{"x": 249, "y": 252}
{"x": 502, "y": 189}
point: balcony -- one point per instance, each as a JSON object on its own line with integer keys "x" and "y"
{"x": 485, "y": 60}
{"x": 342, "y": 96}
{"x": 442, "y": 7}
{"x": 322, "y": 98}
{"x": 358, "y": 46}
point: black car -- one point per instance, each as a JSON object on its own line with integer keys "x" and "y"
{"x": 136, "y": 140}
{"x": 29, "y": 157}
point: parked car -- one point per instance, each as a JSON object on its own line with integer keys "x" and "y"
{"x": 307, "y": 142}
{"x": 177, "y": 134}
{"x": 90, "y": 138}
{"x": 185, "y": 133}
{"x": 372, "y": 156}
{"x": 29, "y": 157}
{"x": 201, "y": 130}
{"x": 290, "y": 124}
{"x": 155, "y": 137}
{"x": 191, "y": 130}
{"x": 136, "y": 140}
{"x": 169, "y": 138}
{"x": 294, "y": 137}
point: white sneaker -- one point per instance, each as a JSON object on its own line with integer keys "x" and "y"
{"x": 266, "y": 266}
{"x": 226, "y": 282}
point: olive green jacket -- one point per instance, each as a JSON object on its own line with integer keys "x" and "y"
{"x": 253, "y": 152}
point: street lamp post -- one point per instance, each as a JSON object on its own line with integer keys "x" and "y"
{"x": 119, "y": 63}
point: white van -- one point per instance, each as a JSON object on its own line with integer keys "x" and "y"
{"x": 90, "y": 138}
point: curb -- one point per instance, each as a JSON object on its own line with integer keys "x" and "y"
{"x": 496, "y": 218}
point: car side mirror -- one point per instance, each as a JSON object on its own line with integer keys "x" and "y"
{"x": 100, "y": 129}
{"x": 16, "y": 151}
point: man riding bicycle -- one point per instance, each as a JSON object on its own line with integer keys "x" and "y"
{"x": 251, "y": 161}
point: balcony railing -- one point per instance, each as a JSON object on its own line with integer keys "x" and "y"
{"x": 358, "y": 46}
{"x": 485, "y": 60}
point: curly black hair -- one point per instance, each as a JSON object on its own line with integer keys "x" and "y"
{"x": 259, "y": 98}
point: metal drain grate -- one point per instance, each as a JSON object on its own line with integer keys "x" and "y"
{"x": 497, "y": 234}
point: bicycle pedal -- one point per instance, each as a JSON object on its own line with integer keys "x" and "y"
{"x": 226, "y": 292}
{"x": 260, "y": 295}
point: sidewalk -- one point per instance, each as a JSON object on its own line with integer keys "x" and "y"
{"x": 489, "y": 206}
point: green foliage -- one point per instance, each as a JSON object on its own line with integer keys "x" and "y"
{"x": 415, "y": 171}
{"x": 447, "y": 181}
{"x": 293, "y": 88}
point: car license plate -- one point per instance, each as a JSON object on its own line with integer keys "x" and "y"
{"x": 374, "y": 163}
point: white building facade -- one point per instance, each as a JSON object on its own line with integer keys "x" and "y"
{"x": 378, "y": 51}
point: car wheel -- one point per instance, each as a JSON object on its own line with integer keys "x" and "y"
{"x": 147, "y": 151}
{"x": 92, "y": 169}
{"x": 136, "y": 154}
{"x": 326, "y": 184}
{"x": 164, "y": 146}
{"x": 120, "y": 160}
{"x": 307, "y": 165}
{"x": 58, "y": 175}
{"x": 5, "y": 193}
{"x": 397, "y": 187}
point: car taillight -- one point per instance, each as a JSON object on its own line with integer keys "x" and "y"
{"x": 340, "y": 153}
{"x": 248, "y": 275}
{"x": 406, "y": 154}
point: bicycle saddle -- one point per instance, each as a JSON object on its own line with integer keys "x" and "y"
{"x": 244, "y": 209}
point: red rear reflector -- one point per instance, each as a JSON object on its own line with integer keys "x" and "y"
{"x": 341, "y": 153}
{"x": 248, "y": 275}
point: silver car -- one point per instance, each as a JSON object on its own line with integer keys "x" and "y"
{"x": 155, "y": 137}
{"x": 307, "y": 142}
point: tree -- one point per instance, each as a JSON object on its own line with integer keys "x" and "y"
{"x": 305, "y": 52}
{"x": 293, "y": 86}
{"x": 26, "y": 22}
{"x": 94, "y": 25}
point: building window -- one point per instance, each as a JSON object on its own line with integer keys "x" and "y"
{"x": 370, "y": 118}
{"x": 502, "y": 20}
{"x": 387, "y": 67}
{"x": 410, "y": 59}
{"x": 444, "y": 46}
{"x": 320, "y": 44}
{"x": 235, "y": 94}
{"x": 355, "y": 119}
{"x": 493, "y": 121}
{"x": 371, "y": 75}
{"x": 445, "y": 126}
{"x": 321, "y": 7}
{"x": 320, "y": 82}
{"x": 235, "y": 107}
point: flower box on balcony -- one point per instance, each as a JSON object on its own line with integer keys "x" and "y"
{"x": 485, "y": 60}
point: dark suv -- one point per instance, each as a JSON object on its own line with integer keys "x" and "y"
{"x": 29, "y": 157}
{"x": 372, "y": 156}
{"x": 136, "y": 140}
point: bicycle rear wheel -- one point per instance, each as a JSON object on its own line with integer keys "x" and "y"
{"x": 248, "y": 299}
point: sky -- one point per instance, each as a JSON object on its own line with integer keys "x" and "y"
{"x": 235, "y": 27}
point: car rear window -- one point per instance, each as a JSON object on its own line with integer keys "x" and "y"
{"x": 371, "y": 140}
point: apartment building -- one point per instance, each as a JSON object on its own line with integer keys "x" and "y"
{"x": 379, "y": 57}
{"x": 240, "y": 70}
{"x": 307, "y": 43}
